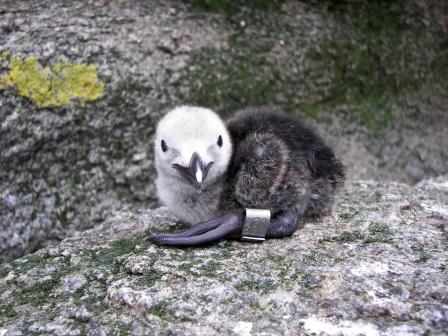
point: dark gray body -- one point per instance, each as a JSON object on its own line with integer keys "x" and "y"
{"x": 279, "y": 164}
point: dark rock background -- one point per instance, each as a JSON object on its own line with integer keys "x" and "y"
{"x": 372, "y": 76}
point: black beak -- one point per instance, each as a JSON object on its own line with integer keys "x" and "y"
{"x": 196, "y": 172}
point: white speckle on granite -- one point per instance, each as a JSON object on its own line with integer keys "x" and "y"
{"x": 436, "y": 208}
{"x": 72, "y": 283}
{"x": 243, "y": 328}
{"x": 370, "y": 268}
{"x": 346, "y": 328}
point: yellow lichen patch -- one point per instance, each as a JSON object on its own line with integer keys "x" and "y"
{"x": 48, "y": 87}
{"x": 3, "y": 54}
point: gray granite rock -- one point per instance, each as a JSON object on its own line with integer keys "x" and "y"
{"x": 372, "y": 78}
{"x": 376, "y": 266}
{"x": 65, "y": 168}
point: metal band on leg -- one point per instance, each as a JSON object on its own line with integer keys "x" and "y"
{"x": 256, "y": 225}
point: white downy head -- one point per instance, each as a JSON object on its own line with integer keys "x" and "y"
{"x": 192, "y": 145}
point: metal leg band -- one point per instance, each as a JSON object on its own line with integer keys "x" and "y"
{"x": 256, "y": 225}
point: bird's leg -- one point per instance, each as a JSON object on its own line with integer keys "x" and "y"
{"x": 283, "y": 225}
{"x": 195, "y": 230}
{"x": 229, "y": 225}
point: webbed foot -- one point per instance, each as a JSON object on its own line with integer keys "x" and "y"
{"x": 229, "y": 225}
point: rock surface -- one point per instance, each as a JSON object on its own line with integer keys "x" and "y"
{"x": 377, "y": 266}
{"x": 373, "y": 78}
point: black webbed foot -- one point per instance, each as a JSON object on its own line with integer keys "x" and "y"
{"x": 195, "y": 230}
{"x": 229, "y": 225}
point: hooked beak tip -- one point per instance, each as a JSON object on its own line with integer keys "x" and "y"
{"x": 196, "y": 172}
{"x": 198, "y": 176}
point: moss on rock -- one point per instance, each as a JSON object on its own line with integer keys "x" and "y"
{"x": 232, "y": 7}
{"x": 91, "y": 283}
{"x": 358, "y": 65}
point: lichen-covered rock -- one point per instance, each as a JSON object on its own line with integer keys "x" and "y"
{"x": 51, "y": 87}
{"x": 376, "y": 266}
{"x": 82, "y": 86}
{"x": 79, "y": 98}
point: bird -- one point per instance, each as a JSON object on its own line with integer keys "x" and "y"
{"x": 210, "y": 171}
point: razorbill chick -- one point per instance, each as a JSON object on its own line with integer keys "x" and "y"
{"x": 209, "y": 172}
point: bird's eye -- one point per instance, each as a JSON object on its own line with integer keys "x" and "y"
{"x": 164, "y": 146}
{"x": 219, "y": 142}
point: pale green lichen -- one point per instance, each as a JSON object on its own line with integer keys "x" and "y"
{"x": 51, "y": 87}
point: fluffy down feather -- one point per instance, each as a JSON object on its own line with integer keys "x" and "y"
{"x": 261, "y": 158}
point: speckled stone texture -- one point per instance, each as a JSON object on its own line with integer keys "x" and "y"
{"x": 376, "y": 266}
{"x": 373, "y": 80}
{"x": 69, "y": 167}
